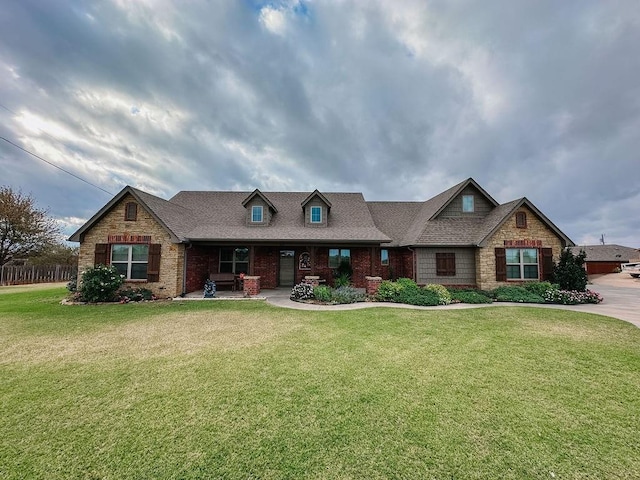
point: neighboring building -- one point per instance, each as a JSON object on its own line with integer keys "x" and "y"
{"x": 461, "y": 237}
{"x": 606, "y": 258}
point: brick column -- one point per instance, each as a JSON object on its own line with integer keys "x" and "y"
{"x": 373, "y": 283}
{"x": 251, "y": 285}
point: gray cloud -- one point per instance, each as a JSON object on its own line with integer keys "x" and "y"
{"x": 398, "y": 100}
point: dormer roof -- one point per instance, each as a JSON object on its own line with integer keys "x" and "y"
{"x": 316, "y": 193}
{"x": 263, "y": 197}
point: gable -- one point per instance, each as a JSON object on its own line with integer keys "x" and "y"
{"x": 481, "y": 204}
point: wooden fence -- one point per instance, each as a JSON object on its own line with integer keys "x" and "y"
{"x": 21, "y": 275}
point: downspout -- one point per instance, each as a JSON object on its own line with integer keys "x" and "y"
{"x": 184, "y": 271}
{"x": 415, "y": 266}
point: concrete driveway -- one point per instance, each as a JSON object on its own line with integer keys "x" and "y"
{"x": 621, "y": 293}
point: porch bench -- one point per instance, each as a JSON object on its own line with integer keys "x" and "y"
{"x": 224, "y": 279}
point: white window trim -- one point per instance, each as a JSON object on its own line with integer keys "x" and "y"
{"x": 473, "y": 204}
{"x": 261, "y": 210}
{"x": 129, "y": 261}
{"x": 522, "y": 264}
{"x": 311, "y": 209}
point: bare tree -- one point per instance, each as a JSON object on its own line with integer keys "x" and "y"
{"x": 24, "y": 228}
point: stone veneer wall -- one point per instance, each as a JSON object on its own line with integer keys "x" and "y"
{"x": 113, "y": 223}
{"x": 536, "y": 230}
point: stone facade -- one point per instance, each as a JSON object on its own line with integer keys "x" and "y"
{"x": 114, "y": 223}
{"x": 535, "y": 231}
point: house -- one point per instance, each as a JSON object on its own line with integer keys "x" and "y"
{"x": 606, "y": 258}
{"x": 460, "y": 237}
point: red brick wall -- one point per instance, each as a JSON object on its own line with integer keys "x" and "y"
{"x": 198, "y": 260}
{"x": 265, "y": 265}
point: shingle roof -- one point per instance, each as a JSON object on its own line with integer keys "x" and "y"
{"x": 608, "y": 253}
{"x": 220, "y": 216}
{"x": 394, "y": 218}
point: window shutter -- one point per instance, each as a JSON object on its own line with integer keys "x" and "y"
{"x": 445, "y": 264}
{"x": 153, "y": 267}
{"x": 131, "y": 212}
{"x": 101, "y": 254}
{"x": 547, "y": 264}
{"x": 501, "y": 265}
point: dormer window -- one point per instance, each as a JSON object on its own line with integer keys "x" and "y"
{"x": 131, "y": 212}
{"x": 316, "y": 214}
{"x": 256, "y": 214}
{"x": 467, "y": 204}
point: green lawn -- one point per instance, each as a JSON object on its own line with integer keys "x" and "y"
{"x": 245, "y": 390}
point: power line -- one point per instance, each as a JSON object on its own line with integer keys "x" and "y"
{"x": 53, "y": 164}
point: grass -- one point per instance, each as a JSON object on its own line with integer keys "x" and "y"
{"x": 245, "y": 390}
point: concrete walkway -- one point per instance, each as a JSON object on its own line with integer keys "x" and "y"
{"x": 621, "y": 300}
{"x": 621, "y": 295}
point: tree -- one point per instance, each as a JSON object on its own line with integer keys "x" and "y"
{"x": 55, "y": 254}
{"x": 24, "y": 229}
{"x": 570, "y": 273}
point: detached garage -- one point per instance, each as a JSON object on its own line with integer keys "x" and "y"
{"x": 606, "y": 258}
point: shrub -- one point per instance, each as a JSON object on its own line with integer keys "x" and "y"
{"x": 127, "y": 295}
{"x": 342, "y": 280}
{"x": 470, "y": 296}
{"x": 444, "y": 297}
{"x": 322, "y": 293}
{"x": 516, "y": 294}
{"x": 302, "y": 291}
{"x": 539, "y": 288}
{"x": 419, "y": 296}
{"x": 572, "y": 297}
{"x": 346, "y": 294}
{"x": 388, "y": 291}
{"x": 406, "y": 283}
{"x": 342, "y": 275}
{"x": 569, "y": 273}
{"x": 100, "y": 284}
{"x": 72, "y": 286}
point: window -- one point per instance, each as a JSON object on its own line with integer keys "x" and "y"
{"x": 316, "y": 214}
{"x": 256, "y": 214}
{"x": 130, "y": 260}
{"x": 467, "y": 203}
{"x": 384, "y": 256}
{"x": 131, "y": 212}
{"x": 522, "y": 263}
{"x": 234, "y": 260}
{"x": 446, "y": 264}
{"x": 521, "y": 220}
{"x": 339, "y": 255}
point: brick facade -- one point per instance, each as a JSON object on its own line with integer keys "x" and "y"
{"x": 536, "y": 230}
{"x": 114, "y": 223}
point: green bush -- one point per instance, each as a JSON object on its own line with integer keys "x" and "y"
{"x": 419, "y": 296}
{"x": 470, "y": 296}
{"x": 388, "y": 291}
{"x": 570, "y": 273}
{"x": 128, "y": 294}
{"x": 322, "y": 293}
{"x": 406, "y": 283}
{"x": 342, "y": 280}
{"x": 516, "y": 294}
{"x": 444, "y": 297}
{"x": 539, "y": 288}
{"x": 346, "y": 294}
{"x": 100, "y": 284}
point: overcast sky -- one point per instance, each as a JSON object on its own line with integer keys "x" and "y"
{"x": 399, "y": 100}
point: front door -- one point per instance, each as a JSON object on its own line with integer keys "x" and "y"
{"x": 287, "y": 268}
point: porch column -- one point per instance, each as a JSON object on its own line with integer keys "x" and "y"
{"x": 251, "y": 259}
